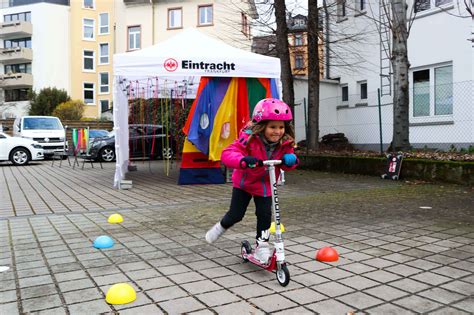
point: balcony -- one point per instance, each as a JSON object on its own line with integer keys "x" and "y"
{"x": 15, "y": 29}
{"x": 16, "y": 80}
{"x": 15, "y": 55}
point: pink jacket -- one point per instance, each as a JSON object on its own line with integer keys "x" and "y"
{"x": 255, "y": 181}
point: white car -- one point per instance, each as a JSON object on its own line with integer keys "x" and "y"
{"x": 19, "y": 151}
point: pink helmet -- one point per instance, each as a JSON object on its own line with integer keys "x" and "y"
{"x": 271, "y": 109}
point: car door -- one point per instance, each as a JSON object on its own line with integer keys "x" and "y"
{"x": 3, "y": 147}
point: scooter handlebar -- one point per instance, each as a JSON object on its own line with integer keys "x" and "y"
{"x": 269, "y": 162}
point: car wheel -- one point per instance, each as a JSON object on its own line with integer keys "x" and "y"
{"x": 107, "y": 154}
{"x": 20, "y": 156}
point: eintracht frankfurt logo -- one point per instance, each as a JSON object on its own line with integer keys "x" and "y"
{"x": 171, "y": 64}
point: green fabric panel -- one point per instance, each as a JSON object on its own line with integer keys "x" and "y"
{"x": 256, "y": 92}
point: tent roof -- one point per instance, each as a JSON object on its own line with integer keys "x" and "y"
{"x": 192, "y": 53}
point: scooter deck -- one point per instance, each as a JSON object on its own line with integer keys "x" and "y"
{"x": 270, "y": 266}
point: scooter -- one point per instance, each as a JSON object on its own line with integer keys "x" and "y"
{"x": 277, "y": 259}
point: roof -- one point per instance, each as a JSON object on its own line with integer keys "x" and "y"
{"x": 192, "y": 53}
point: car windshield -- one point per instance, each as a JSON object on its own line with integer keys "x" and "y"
{"x": 41, "y": 123}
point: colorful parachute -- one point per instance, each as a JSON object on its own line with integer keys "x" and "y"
{"x": 221, "y": 108}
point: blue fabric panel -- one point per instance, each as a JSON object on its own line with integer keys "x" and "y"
{"x": 208, "y": 103}
{"x": 274, "y": 88}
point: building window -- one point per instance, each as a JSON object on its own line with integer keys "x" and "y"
{"x": 175, "y": 18}
{"x": 299, "y": 62}
{"x": 88, "y": 4}
{"x": 298, "y": 40}
{"x": 103, "y": 53}
{"x": 103, "y": 83}
{"x": 441, "y": 2}
{"x": 18, "y": 42}
{"x": 443, "y": 90}
{"x": 88, "y": 93}
{"x": 88, "y": 29}
{"x": 341, "y": 9}
{"x": 18, "y": 68}
{"x": 104, "y": 23}
{"x": 134, "y": 34}
{"x": 245, "y": 25}
{"x": 423, "y": 5}
{"x": 16, "y": 95}
{"x": 363, "y": 90}
{"x": 421, "y": 93}
{"x": 433, "y": 91}
{"x": 345, "y": 93}
{"x": 104, "y": 106}
{"x": 23, "y": 16}
{"x": 361, "y": 5}
{"x": 205, "y": 13}
{"x": 88, "y": 60}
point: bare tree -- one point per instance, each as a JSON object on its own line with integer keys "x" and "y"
{"x": 284, "y": 53}
{"x": 312, "y": 141}
{"x": 400, "y": 65}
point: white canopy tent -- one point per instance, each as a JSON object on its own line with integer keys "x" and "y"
{"x": 184, "y": 57}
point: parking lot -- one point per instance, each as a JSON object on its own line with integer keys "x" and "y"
{"x": 405, "y": 247}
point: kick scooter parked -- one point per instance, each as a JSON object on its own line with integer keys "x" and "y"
{"x": 277, "y": 259}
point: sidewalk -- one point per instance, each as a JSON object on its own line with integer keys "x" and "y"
{"x": 395, "y": 257}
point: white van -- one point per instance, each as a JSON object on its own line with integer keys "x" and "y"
{"x": 46, "y": 130}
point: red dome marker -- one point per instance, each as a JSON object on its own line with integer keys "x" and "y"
{"x": 327, "y": 254}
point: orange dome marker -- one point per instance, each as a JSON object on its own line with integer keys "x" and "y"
{"x": 327, "y": 254}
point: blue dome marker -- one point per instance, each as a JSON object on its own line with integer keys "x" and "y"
{"x": 103, "y": 241}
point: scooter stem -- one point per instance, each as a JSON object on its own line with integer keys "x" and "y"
{"x": 280, "y": 253}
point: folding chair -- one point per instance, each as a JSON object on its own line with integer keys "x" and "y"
{"x": 63, "y": 153}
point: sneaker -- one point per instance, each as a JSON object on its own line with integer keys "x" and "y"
{"x": 262, "y": 252}
{"x": 214, "y": 233}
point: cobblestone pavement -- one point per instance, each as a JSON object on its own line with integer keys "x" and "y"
{"x": 404, "y": 247}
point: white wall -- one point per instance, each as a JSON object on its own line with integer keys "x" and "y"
{"x": 226, "y": 22}
{"x": 326, "y": 113}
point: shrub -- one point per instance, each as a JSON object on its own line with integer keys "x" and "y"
{"x": 44, "y": 102}
{"x": 70, "y": 110}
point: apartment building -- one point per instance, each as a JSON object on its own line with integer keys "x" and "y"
{"x": 91, "y": 45}
{"x": 33, "y": 54}
{"x": 145, "y": 23}
{"x": 297, "y": 45}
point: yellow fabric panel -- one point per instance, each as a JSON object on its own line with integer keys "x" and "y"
{"x": 189, "y": 147}
{"x": 224, "y": 131}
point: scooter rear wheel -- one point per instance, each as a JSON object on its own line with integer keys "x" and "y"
{"x": 283, "y": 276}
{"x": 246, "y": 249}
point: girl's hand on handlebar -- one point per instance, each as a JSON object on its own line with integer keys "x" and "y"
{"x": 248, "y": 162}
{"x": 289, "y": 159}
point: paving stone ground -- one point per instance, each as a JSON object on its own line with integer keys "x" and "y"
{"x": 395, "y": 257}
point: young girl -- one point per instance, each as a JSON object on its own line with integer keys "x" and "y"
{"x": 268, "y": 137}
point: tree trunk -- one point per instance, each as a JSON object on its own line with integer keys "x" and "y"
{"x": 400, "y": 64}
{"x": 284, "y": 53}
{"x": 313, "y": 76}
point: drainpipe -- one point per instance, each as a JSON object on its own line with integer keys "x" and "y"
{"x": 152, "y": 22}
{"x": 326, "y": 39}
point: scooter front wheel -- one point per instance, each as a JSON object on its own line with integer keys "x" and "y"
{"x": 283, "y": 276}
{"x": 246, "y": 249}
